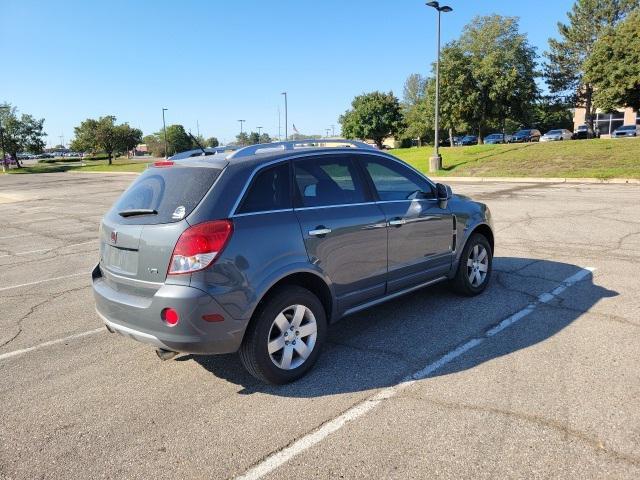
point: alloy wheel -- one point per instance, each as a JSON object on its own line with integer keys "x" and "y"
{"x": 477, "y": 265}
{"x": 292, "y": 337}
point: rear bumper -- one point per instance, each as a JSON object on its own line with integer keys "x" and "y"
{"x": 138, "y": 317}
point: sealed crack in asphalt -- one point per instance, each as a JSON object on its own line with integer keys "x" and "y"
{"x": 50, "y": 298}
{"x": 592, "y": 441}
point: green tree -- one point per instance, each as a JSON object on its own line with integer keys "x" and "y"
{"x": 550, "y": 112}
{"x": 177, "y": 139}
{"x": 20, "y": 134}
{"x": 154, "y": 145}
{"x": 374, "y": 116}
{"x": 614, "y": 66}
{"x": 212, "y": 142}
{"x": 242, "y": 139}
{"x": 265, "y": 138}
{"x": 97, "y": 135}
{"x": 254, "y": 138}
{"x": 566, "y": 59}
{"x": 128, "y": 137}
{"x": 497, "y": 62}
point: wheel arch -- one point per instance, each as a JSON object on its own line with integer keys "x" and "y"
{"x": 309, "y": 280}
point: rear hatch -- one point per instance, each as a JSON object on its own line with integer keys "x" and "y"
{"x": 138, "y": 234}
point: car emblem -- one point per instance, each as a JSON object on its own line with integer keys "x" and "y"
{"x": 114, "y": 237}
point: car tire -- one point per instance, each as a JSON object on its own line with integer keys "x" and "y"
{"x": 268, "y": 331}
{"x": 472, "y": 260}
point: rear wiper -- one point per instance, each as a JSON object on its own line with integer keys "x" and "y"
{"x": 137, "y": 211}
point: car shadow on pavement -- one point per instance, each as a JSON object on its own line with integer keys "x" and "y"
{"x": 381, "y": 346}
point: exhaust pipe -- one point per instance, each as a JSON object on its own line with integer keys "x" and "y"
{"x": 165, "y": 354}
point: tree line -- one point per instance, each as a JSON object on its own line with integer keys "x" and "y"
{"x": 489, "y": 78}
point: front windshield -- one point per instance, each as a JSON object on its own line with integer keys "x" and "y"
{"x": 628, "y": 127}
{"x": 554, "y": 132}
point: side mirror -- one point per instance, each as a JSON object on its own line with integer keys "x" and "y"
{"x": 444, "y": 194}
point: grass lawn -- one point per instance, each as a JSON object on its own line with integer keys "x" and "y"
{"x": 122, "y": 164}
{"x": 598, "y": 158}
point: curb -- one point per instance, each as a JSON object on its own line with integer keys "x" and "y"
{"x": 617, "y": 181}
{"x": 107, "y": 173}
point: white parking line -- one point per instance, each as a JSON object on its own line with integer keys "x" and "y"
{"x": 15, "y": 353}
{"x": 279, "y": 458}
{"x": 48, "y": 249}
{"x": 2, "y": 289}
{"x": 16, "y": 236}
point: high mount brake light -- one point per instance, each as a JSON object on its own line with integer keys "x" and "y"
{"x": 166, "y": 163}
{"x": 199, "y": 246}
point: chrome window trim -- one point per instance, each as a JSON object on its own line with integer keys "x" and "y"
{"x": 337, "y": 151}
{"x": 264, "y": 212}
{"x": 319, "y": 207}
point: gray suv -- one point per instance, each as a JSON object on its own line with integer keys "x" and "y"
{"x": 260, "y": 250}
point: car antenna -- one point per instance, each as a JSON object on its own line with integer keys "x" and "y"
{"x": 204, "y": 152}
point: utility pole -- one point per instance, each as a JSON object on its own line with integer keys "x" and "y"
{"x": 286, "y": 119}
{"x": 164, "y": 128}
{"x": 241, "y": 122}
{"x": 327, "y": 130}
{"x": 198, "y": 128}
{"x": 259, "y": 131}
{"x": 435, "y": 162}
{"x": 279, "y": 128}
{"x": 4, "y": 153}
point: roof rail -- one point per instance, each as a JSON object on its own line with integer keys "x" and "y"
{"x": 298, "y": 144}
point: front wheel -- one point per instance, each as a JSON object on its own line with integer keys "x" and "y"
{"x": 284, "y": 338}
{"x": 475, "y": 266}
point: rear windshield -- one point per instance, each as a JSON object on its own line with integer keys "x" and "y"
{"x": 554, "y": 132}
{"x": 628, "y": 127}
{"x": 172, "y": 192}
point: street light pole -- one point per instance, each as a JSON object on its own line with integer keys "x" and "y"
{"x": 164, "y": 128}
{"x": 241, "y": 122}
{"x": 4, "y": 153}
{"x": 259, "y": 131}
{"x": 286, "y": 119}
{"x": 435, "y": 162}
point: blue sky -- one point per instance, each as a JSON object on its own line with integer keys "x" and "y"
{"x": 214, "y": 62}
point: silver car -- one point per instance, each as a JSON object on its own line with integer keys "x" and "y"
{"x": 626, "y": 131}
{"x": 556, "y": 135}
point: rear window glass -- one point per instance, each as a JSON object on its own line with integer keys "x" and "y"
{"x": 172, "y": 192}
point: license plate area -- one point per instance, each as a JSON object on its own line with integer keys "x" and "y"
{"x": 120, "y": 260}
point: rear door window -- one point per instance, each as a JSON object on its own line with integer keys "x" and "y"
{"x": 269, "y": 190}
{"x": 172, "y": 192}
{"x": 328, "y": 180}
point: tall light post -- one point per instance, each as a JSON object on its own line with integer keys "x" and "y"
{"x": 333, "y": 130}
{"x": 164, "y": 128}
{"x": 259, "y": 131}
{"x": 327, "y": 130}
{"x": 435, "y": 162}
{"x": 4, "y": 154}
{"x": 286, "y": 119}
{"x": 241, "y": 122}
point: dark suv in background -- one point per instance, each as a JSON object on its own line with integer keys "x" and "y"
{"x": 260, "y": 250}
{"x": 526, "y": 135}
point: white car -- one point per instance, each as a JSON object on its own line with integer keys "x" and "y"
{"x": 556, "y": 135}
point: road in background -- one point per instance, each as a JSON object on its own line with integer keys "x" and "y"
{"x": 555, "y": 394}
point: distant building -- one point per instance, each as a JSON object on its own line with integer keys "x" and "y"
{"x": 606, "y": 123}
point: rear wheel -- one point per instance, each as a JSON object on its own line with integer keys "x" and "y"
{"x": 284, "y": 338}
{"x": 475, "y": 266}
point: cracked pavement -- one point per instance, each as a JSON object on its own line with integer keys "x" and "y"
{"x": 556, "y": 395}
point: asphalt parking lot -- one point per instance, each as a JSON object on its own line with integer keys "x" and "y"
{"x": 539, "y": 377}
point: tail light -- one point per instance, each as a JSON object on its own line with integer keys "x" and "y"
{"x": 198, "y": 246}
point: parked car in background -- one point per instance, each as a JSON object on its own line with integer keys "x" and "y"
{"x": 340, "y": 230}
{"x": 497, "y": 138}
{"x": 557, "y": 135}
{"x": 526, "y": 135}
{"x": 583, "y": 132}
{"x": 469, "y": 140}
{"x": 626, "y": 131}
{"x": 446, "y": 142}
{"x": 199, "y": 153}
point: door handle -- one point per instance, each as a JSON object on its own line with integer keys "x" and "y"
{"x": 320, "y": 231}
{"x": 397, "y": 222}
